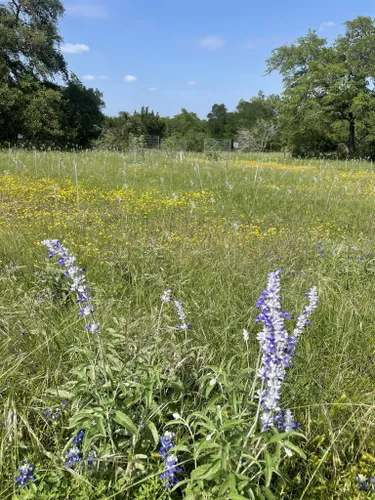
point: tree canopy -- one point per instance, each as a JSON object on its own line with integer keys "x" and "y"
{"x": 328, "y": 89}
{"x": 32, "y": 105}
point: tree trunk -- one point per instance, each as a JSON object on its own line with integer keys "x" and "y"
{"x": 351, "y": 142}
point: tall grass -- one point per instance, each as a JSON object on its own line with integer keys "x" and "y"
{"x": 211, "y": 230}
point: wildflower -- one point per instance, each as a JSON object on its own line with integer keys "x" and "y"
{"x": 78, "y": 280}
{"x": 73, "y": 457}
{"x": 285, "y": 421}
{"x": 93, "y": 328}
{"x": 320, "y": 248}
{"x": 177, "y": 416}
{"x": 167, "y": 296}
{"x": 171, "y": 468}
{"x": 178, "y": 307}
{"x": 363, "y": 482}
{"x": 277, "y": 348}
{"x": 86, "y": 311}
{"x": 303, "y": 319}
{"x": 26, "y": 474}
{"x": 52, "y": 414}
{"x": 91, "y": 457}
{"x": 78, "y": 440}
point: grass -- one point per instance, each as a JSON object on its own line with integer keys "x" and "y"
{"x": 211, "y": 230}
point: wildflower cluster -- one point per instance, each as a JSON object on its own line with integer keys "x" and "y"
{"x": 54, "y": 414}
{"x": 26, "y": 474}
{"x": 78, "y": 280}
{"x": 74, "y": 454}
{"x": 179, "y": 308}
{"x": 278, "y": 347}
{"x": 171, "y": 468}
{"x": 365, "y": 484}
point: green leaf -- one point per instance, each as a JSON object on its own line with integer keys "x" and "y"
{"x": 228, "y": 484}
{"x": 216, "y": 467}
{"x": 268, "y": 493}
{"x": 126, "y": 422}
{"x": 100, "y": 425}
{"x": 295, "y": 448}
{"x": 268, "y": 468}
{"x": 154, "y": 432}
{"x": 205, "y": 445}
{"x": 60, "y": 393}
{"x": 236, "y": 496}
{"x": 80, "y": 417}
{"x": 232, "y": 423}
{"x": 200, "y": 472}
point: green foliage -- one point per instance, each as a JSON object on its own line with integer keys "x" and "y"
{"x": 29, "y": 40}
{"x": 31, "y": 106}
{"x": 330, "y": 84}
{"x": 81, "y": 114}
{"x": 146, "y": 371}
{"x": 121, "y": 131}
{"x": 189, "y": 127}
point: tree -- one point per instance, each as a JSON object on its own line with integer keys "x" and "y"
{"x": 217, "y": 121}
{"x": 119, "y": 131}
{"x": 147, "y": 122}
{"x": 259, "y": 107}
{"x": 333, "y": 83}
{"x": 258, "y": 137}
{"x": 116, "y": 131}
{"x": 29, "y": 58}
{"x": 40, "y": 112}
{"x": 81, "y": 113}
{"x": 29, "y": 40}
{"x": 189, "y": 127}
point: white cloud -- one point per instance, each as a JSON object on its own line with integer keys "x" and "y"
{"x": 87, "y": 10}
{"x": 74, "y": 48}
{"x": 212, "y": 42}
{"x": 152, "y": 89}
{"x": 191, "y": 83}
{"x": 327, "y": 24}
{"x": 92, "y": 77}
{"x": 130, "y": 78}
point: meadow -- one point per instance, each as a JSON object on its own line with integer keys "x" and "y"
{"x": 210, "y": 229}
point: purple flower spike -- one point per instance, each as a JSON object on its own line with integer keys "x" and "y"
{"x": 78, "y": 280}
{"x": 278, "y": 348}
{"x": 171, "y": 468}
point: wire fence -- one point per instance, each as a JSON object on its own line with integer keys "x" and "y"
{"x": 211, "y": 145}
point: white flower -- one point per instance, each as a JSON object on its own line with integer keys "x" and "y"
{"x": 177, "y": 416}
{"x": 245, "y": 334}
{"x": 213, "y": 382}
{"x": 288, "y": 452}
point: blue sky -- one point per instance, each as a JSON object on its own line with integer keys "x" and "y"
{"x": 169, "y": 54}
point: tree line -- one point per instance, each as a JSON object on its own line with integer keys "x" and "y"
{"x": 186, "y": 129}
{"x": 327, "y": 105}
